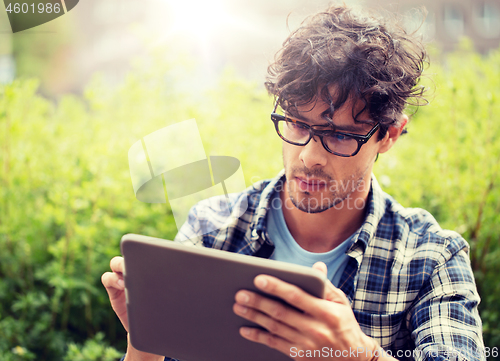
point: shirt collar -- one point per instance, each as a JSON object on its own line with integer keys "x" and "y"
{"x": 259, "y": 226}
{"x": 375, "y": 209}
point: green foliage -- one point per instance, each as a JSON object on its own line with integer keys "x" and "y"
{"x": 93, "y": 350}
{"x": 66, "y": 196}
{"x": 65, "y": 200}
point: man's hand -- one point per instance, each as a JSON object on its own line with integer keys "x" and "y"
{"x": 113, "y": 281}
{"x": 326, "y": 325}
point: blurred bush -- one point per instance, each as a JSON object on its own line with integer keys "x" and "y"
{"x": 66, "y": 196}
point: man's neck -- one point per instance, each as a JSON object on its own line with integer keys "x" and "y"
{"x": 322, "y": 232}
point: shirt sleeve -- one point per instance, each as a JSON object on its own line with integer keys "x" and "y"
{"x": 445, "y": 319}
{"x": 190, "y": 231}
{"x": 204, "y": 221}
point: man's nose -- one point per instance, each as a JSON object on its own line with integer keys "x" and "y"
{"x": 313, "y": 154}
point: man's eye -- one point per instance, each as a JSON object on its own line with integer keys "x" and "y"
{"x": 295, "y": 125}
{"x": 340, "y": 137}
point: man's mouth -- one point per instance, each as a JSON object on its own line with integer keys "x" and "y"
{"x": 310, "y": 184}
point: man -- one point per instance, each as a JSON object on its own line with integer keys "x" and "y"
{"x": 401, "y": 286}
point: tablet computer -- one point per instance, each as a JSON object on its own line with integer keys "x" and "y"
{"x": 180, "y": 299}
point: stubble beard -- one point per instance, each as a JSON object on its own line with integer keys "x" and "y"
{"x": 335, "y": 193}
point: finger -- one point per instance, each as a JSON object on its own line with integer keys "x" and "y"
{"x": 115, "y": 288}
{"x": 320, "y": 266}
{"x": 113, "y": 283}
{"x": 113, "y": 280}
{"x": 291, "y": 294}
{"x": 265, "y": 338}
{"x": 117, "y": 264}
{"x": 264, "y": 311}
{"x": 332, "y": 293}
{"x": 272, "y": 325}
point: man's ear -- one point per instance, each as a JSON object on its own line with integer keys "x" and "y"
{"x": 392, "y": 135}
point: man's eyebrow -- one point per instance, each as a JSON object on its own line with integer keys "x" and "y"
{"x": 341, "y": 128}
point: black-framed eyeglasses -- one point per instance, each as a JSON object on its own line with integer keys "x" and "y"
{"x": 339, "y": 143}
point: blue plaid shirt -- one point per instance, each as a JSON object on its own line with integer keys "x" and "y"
{"x": 409, "y": 282}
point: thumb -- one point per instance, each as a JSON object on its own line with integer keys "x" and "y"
{"x": 320, "y": 266}
{"x": 332, "y": 293}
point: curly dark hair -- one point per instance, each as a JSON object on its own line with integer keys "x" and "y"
{"x": 362, "y": 56}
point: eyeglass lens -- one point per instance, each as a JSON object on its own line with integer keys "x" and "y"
{"x": 300, "y": 134}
